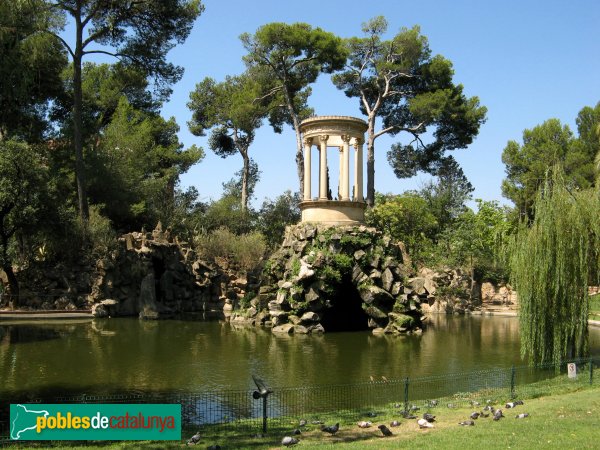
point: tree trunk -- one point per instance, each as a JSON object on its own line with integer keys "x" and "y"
{"x": 77, "y": 126}
{"x": 371, "y": 161}
{"x": 299, "y": 150}
{"x": 245, "y": 175}
{"x": 13, "y": 285}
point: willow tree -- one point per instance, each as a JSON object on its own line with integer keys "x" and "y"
{"x": 552, "y": 263}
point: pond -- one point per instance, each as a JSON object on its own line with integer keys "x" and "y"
{"x": 117, "y": 355}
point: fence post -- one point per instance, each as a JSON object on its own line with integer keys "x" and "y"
{"x": 591, "y": 369}
{"x": 406, "y": 394}
{"x": 513, "y": 374}
{"x": 265, "y": 414}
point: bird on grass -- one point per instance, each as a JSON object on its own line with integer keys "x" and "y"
{"x": 302, "y": 423}
{"x": 484, "y": 414}
{"x": 522, "y": 415}
{"x": 371, "y": 414}
{"x": 194, "y": 439}
{"x": 475, "y": 415}
{"x": 394, "y": 423}
{"x": 384, "y": 379}
{"x": 424, "y": 423}
{"x": 474, "y": 403}
{"x": 432, "y": 403}
{"x": 289, "y": 441}
{"x": 296, "y": 431}
{"x": 429, "y": 417}
{"x": 408, "y": 415}
{"x": 498, "y": 414}
{"x": 364, "y": 424}
{"x": 467, "y": 423}
{"x": 332, "y": 429}
{"x": 385, "y": 430}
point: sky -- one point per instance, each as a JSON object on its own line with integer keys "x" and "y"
{"x": 527, "y": 61}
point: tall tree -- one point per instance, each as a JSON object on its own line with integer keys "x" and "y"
{"x": 136, "y": 166}
{"x": 290, "y": 58}
{"x": 229, "y": 109}
{"x": 552, "y": 263}
{"x": 30, "y": 69}
{"x": 447, "y": 196}
{"x": 544, "y": 146}
{"x": 139, "y": 33}
{"x": 400, "y": 82}
{"x": 22, "y": 186}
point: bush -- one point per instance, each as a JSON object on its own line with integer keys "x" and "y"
{"x": 243, "y": 252}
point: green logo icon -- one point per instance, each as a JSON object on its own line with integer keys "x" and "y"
{"x": 95, "y": 422}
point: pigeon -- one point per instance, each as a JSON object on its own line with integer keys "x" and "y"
{"x": 331, "y": 429}
{"x": 474, "y": 403}
{"x": 302, "y": 423}
{"x": 522, "y": 415}
{"x": 371, "y": 377}
{"x": 371, "y": 414}
{"x": 408, "y": 415}
{"x": 363, "y": 424}
{"x": 414, "y": 408}
{"x": 263, "y": 390}
{"x": 484, "y": 414}
{"x": 398, "y": 405}
{"x": 394, "y": 423}
{"x": 498, "y": 414}
{"x": 384, "y": 378}
{"x": 317, "y": 422}
{"x": 467, "y": 423}
{"x": 475, "y": 415}
{"x": 297, "y": 431}
{"x": 424, "y": 424}
{"x": 510, "y": 405}
{"x": 429, "y": 417}
{"x": 289, "y": 441}
{"x": 385, "y": 430}
{"x": 432, "y": 403}
{"x": 488, "y": 408}
{"x": 518, "y": 402}
{"x": 194, "y": 439}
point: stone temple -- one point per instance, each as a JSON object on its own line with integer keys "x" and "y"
{"x": 345, "y": 134}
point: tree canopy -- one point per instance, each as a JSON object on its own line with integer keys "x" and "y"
{"x": 287, "y": 59}
{"x": 230, "y": 110}
{"x": 398, "y": 81}
{"x": 544, "y": 146}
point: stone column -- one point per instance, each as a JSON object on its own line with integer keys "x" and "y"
{"x": 307, "y": 168}
{"x": 345, "y": 168}
{"x": 323, "y": 167}
{"x": 358, "y": 169}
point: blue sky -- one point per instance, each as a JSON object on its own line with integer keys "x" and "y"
{"x": 527, "y": 61}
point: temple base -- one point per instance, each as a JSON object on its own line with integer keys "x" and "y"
{"x": 333, "y": 212}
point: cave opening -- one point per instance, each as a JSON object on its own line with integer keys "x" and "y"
{"x": 158, "y": 265}
{"x": 346, "y": 312}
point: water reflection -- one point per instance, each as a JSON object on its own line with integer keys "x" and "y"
{"x": 115, "y": 355}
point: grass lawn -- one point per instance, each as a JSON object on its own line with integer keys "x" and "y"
{"x": 569, "y": 420}
{"x": 595, "y": 307}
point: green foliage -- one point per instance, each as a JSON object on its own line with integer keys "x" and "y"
{"x": 400, "y": 82}
{"x": 30, "y": 69}
{"x": 405, "y": 218}
{"x": 227, "y": 212}
{"x": 544, "y": 146}
{"x": 275, "y": 215}
{"x": 285, "y": 59}
{"x": 136, "y": 167}
{"x": 230, "y": 109}
{"x": 552, "y": 263}
{"x": 243, "y": 252}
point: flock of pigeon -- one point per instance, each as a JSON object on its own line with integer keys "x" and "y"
{"x": 426, "y": 421}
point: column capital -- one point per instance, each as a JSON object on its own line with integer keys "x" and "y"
{"x": 358, "y": 141}
{"x": 346, "y": 138}
{"x": 308, "y": 141}
{"x": 323, "y": 137}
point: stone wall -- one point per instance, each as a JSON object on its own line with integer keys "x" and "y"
{"x": 321, "y": 273}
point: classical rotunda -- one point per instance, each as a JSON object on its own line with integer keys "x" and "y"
{"x": 346, "y": 134}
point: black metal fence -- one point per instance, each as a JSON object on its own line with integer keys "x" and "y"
{"x": 240, "y": 411}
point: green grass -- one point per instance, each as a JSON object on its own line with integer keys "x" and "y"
{"x": 563, "y": 414}
{"x": 595, "y": 307}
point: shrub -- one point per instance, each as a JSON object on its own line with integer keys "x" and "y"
{"x": 244, "y": 252}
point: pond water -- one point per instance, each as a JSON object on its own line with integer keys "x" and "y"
{"x": 117, "y": 355}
